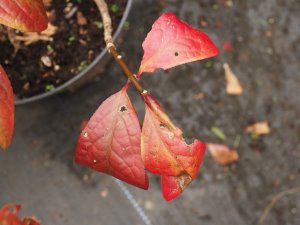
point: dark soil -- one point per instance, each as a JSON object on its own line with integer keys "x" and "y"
{"x": 73, "y": 48}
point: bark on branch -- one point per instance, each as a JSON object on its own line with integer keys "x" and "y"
{"x": 102, "y": 6}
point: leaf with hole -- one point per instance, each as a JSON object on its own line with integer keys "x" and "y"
{"x": 172, "y": 42}
{"x": 7, "y": 110}
{"x": 24, "y": 15}
{"x": 165, "y": 152}
{"x": 110, "y": 142}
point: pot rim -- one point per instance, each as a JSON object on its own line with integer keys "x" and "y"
{"x": 83, "y": 72}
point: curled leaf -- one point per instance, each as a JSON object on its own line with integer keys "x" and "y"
{"x": 110, "y": 142}
{"x": 165, "y": 152}
{"x": 9, "y": 216}
{"x": 233, "y": 86}
{"x": 7, "y": 110}
{"x": 172, "y": 42}
{"x": 259, "y": 128}
{"x": 222, "y": 154}
{"x": 24, "y": 15}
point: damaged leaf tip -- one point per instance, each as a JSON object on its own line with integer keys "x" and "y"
{"x": 165, "y": 152}
{"x": 24, "y": 15}
{"x": 9, "y": 216}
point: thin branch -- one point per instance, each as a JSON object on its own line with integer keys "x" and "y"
{"x": 275, "y": 199}
{"x": 102, "y": 6}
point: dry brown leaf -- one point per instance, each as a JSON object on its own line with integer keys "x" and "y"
{"x": 222, "y": 154}
{"x": 259, "y": 128}
{"x": 233, "y": 86}
{"x": 50, "y": 31}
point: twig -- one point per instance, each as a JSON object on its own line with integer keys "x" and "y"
{"x": 111, "y": 47}
{"x": 102, "y": 6}
{"x": 275, "y": 199}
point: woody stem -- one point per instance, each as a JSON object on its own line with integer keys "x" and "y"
{"x": 102, "y": 6}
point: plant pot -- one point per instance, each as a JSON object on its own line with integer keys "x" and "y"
{"x": 96, "y": 67}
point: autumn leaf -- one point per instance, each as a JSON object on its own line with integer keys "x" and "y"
{"x": 165, "y": 152}
{"x": 172, "y": 42}
{"x": 9, "y": 216}
{"x": 259, "y": 128}
{"x": 173, "y": 186}
{"x": 110, "y": 143}
{"x": 7, "y": 110}
{"x": 233, "y": 86}
{"x": 222, "y": 154}
{"x": 24, "y": 15}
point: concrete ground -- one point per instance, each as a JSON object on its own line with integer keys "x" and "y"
{"x": 38, "y": 171}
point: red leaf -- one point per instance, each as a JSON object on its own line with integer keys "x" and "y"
{"x": 25, "y": 15}
{"x": 110, "y": 143}
{"x": 165, "y": 152}
{"x": 9, "y": 216}
{"x": 172, "y": 42}
{"x": 7, "y": 110}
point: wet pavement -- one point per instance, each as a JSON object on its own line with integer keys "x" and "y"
{"x": 38, "y": 171}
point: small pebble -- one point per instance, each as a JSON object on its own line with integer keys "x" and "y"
{"x": 46, "y": 61}
{"x": 148, "y": 205}
{"x": 104, "y": 193}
